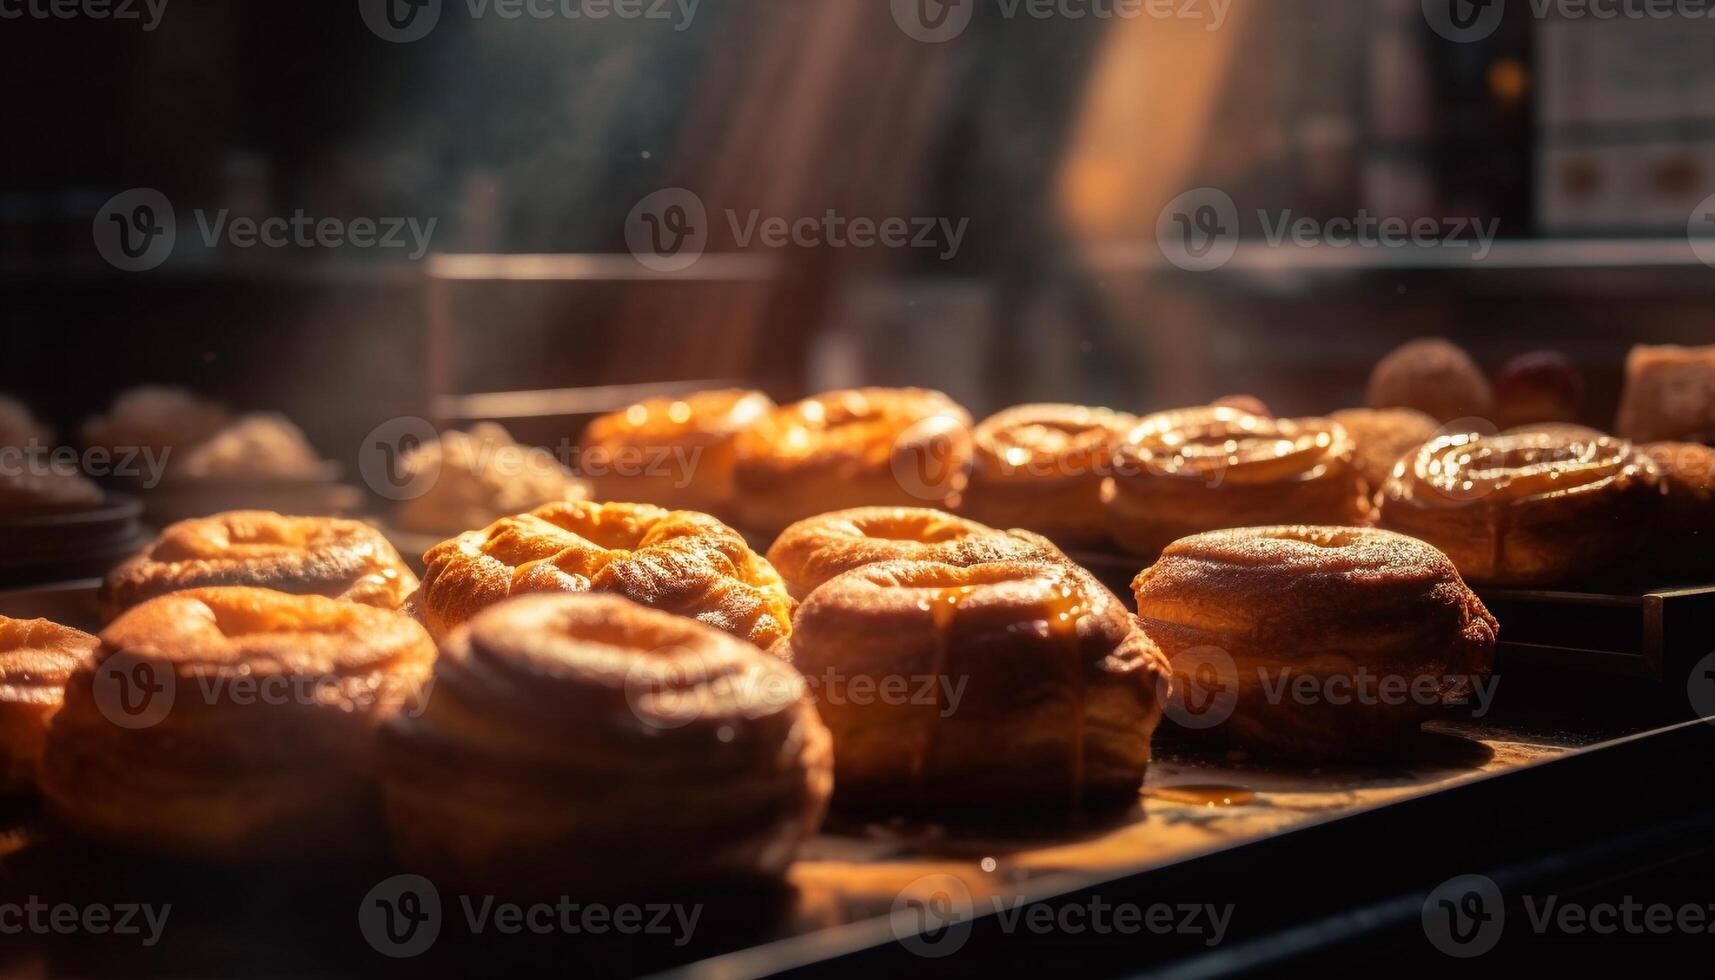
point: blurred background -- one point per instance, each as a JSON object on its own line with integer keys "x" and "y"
{"x": 1035, "y": 151}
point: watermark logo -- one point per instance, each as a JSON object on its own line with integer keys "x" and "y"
{"x": 136, "y": 229}
{"x": 1198, "y": 231}
{"x": 1202, "y": 689}
{"x": 38, "y": 917}
{"x": 933, "y": 21}
{"x": 133, "y": 692}
{"x": 932, "y": 916}
{"x": 401, "y": 917}
{"x": 668, "y": 230}
{"x": 400, "y": 21}
{"x": 1701, "y": 231}
{"x": 1464, "y": 916}
{"x": 929, "y": 457}
{"x": 382, "y": 458}
{"x": 1464, "y": 21}
{"x": 1700, "y": 687}
{"x": 404, "y": 21}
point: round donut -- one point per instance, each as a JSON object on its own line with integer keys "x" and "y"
{"x": 36, "y": 658}
{"x": 1012, "y": 685}
{"x": 302, "y": 555}
{"x": 1530, "y": 508}
{"x": 1041, "y": 467}
{"x": 585, "y": 745}
{"x": 673, "y": 452}
{"x": 1201, "y": 469}
{"x": 1382, "y": 436}
{"x": 234, "y": 725}
{"x": 901, "y": 447}
{"x": 679, "y": 561}
{"x": 816, "y": 549}
{"x": 1313, "y": 643}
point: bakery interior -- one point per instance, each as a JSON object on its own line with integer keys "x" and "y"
{"x": 761, "y": 488}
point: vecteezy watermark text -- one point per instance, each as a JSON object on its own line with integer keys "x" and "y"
{"x": 937, "y": 21}
{"x": 1466, "y": 915}
{"x": 145, "y": 464}
{"x": 148, "y": 12}
{"x": 404, "y": 21}
{"x": 33, "y": 915}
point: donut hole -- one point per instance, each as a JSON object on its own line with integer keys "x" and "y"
{"x": 913, "y": 526}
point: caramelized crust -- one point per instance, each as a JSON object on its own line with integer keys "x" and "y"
{"x": 585, "y": 745}
{"x": 36, "y": 658}
{"x": 1041, "y": 467}
{"x": 678, "y": 561}
{"x": 673, "y": 452}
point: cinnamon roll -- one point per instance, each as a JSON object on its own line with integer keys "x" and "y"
{"x": 1313, "y": 643}
{"x": 36, "y": 658}
{"x": 301, "y": 555}
{"x": 1004, "y": 686}
{"x": 584, "y": 745}
{"x": 673, "y": 452}
{"x": 1199, "y": 469}
{"x": 679, "y": 561}
{"x": 900, "y": 447}
{"x": 1041, "y": 467}
{"x": 1529, "y": 508}
{"x": 1382, "y": 436}
{"x": 234, "y": 725}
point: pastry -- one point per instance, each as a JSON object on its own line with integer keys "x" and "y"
{"x": 40, "y": 484}
{"x": 991, "y": 688}
{"x": 234, "y": 725}
{"x": 816, "y": 549}
{"x": 870, "y": 447}
{"x": 1382, "y": 436}
{"x": 1041, "y": 467}
{"x": 1537, "y": 388}
{"x": 156, "y": 419}
{"x": 260, "y": 445}
{"x": 1531, "y": 508}
{"x": 1244, "y": 403}
{"x": 470, "y": 480}
{"x": 1313, "y": 643}
{"x": 676, "y": 453}
{"x": 584, "y": 745}
{"x": 1669, "y": 395}
{"x": 1200, "y": 469}
{"x": 1682, "y": 541}
{"x": 1435, "y": 377}
{"x": 300, "y": 555}
{"x": 19, "y": 428}
{"x": 36, "y": 657}
{"x": 679, "y": 561}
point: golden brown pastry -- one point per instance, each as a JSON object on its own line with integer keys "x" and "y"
{"x": 42, "y": 485}
{"x": 883, "y": 447}
{"x": 816, "y": 549}
{"x": 584, "y": 745}
{"x": 1683, "y": 539}
{"x": 300, "y": 555}
{"x": 1531, "y": 508}
{"x": 1382, "y": 436}
{"x": 1313, "y": 643}
{"x": 1669, "y": 395}
{"x": 36, "y": 657}
{"x": 234, "y": 725}
{"x": 1541, "y": 387}
{"x": 998, "y": 687}
{"x": 1200, "y": 469}
{"x": 1435, "y": 377}
{"x": 470, "y": 480}
{"x": 261, "y": 445}
{"x": 155, "y": 419}
{"x": 679, "y": 561}
{"x": 676, "y": 453}
{"x": 1041, "y": 467}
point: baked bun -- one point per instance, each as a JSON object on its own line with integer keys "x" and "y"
{"x": 1383, "y": 436}
{"x": 1531, "y": 508}
{"x": 584, "y": 745}
{"x": 36, "y": 657}
{"x": 234, "y": 725}
{"x": 1380, "y": 623}
{"x": 676, "y": 453}
{"x": 1435, "y": 377}
{"x": 41, "y": 485}
{"x": 816, "y": 549}
{"x": 261, "y": 445}
{"x": 469, "y": 480}
{"x": 300, "y": 555}
{"x": 884, "y": 447}
{"x": 1669, "y": 395}
{"x": 1682, "y": 541}
{"x": 1200, "y": 469}
{"x": 678, "y": 561}
{"x": 998, "y": 687}
{"x": 154, "y": 419}
{"x": 1041, "y": 467}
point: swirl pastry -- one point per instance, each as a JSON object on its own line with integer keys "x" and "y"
{"x": 1042, "y": 467}
{"x": 1201, "y": 469}
{"x": 1382, "y": 436}
{"x": 1002, "y": 686}
{"x": 300, "y": 555}
{"x": 234, "y": 725}
{"x": 673, "y": 452}
{"x": 678, "y": 561}
{"x": 1683, "y": 540}
{"x": 470, "y": 480}
{"x": 585, "y": 745}
{"x": 1313, "y": 643}
{"x": 1529, "y": 508}
{"x": 36, "y": 657}
{"x": 816, "y": 549}
{"x": 869, "y": 447}
{"x": 1435, "y": 377}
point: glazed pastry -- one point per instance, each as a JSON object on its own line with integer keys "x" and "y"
{"x": 1382, "y": 436}
{"x": 1683, "y": 539}
{"x": 1042, "y": 467}
{"x": 1533, "y": 508}
{"x": 1313, "y": 643}
{"x": 1199, "y": 469}
{"x": 676, "y": 453}
{"x": 300, "y": 555}
{"x": 36, "y": 658}
{"x": 1538, "y": 388}
{"x": 998, "y": 687}
{"x": 1669, "y": 395}
{"x": 470, "y": 480}
{"x": 584, "y": 745}
{"x": 256, "y": 446}
{"x": 234, "y": 725}
{"x": 880, "y": 447}
{"x": 679, "y": 561}
{"x": 43, "y": 486}
{"x": 155, "y": 419}
{"x": 816, "y": 549}
{"x": 1435, "y": 377}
